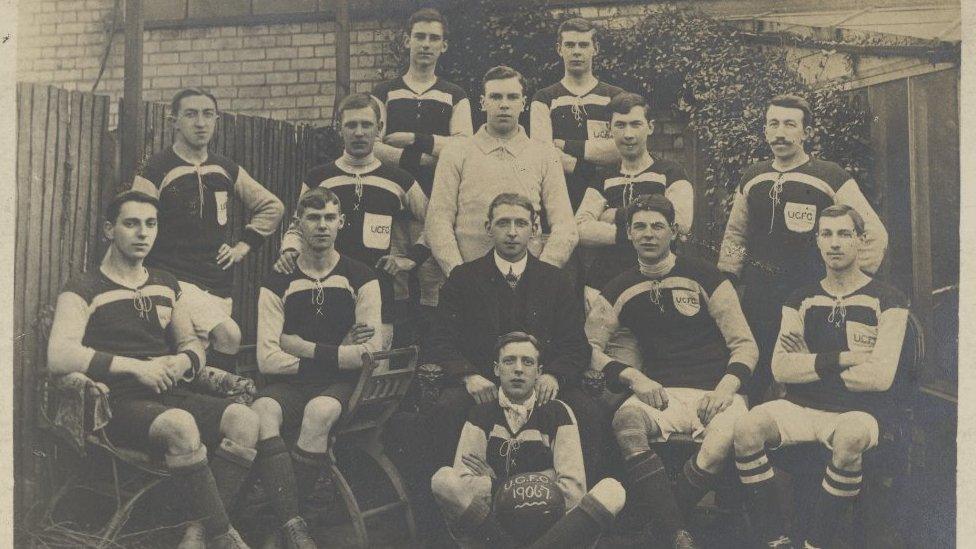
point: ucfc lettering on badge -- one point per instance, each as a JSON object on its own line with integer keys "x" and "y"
{"x": 800, "y": 218}
{"x": 380, "y": 229}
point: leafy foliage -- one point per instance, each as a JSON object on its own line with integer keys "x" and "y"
{"x": 689, "y": 66}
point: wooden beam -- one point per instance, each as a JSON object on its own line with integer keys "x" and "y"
{"x": 343, "y": 60}
{"x": 132, "y": 138}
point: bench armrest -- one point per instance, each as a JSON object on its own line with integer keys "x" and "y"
{"x": 75, "y": 407}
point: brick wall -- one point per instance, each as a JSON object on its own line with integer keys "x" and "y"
{"x": 284, "y": 71}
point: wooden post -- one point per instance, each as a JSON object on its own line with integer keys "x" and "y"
{"x": 132, "y": 139}
{"x": 342, "y": 54}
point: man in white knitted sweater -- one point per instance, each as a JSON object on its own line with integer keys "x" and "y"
{"x": 499, "y": 158}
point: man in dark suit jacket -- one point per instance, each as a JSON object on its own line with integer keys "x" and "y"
{"x": 509, "y": 289}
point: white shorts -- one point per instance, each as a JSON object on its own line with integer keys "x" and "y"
{"x": 681, "y": 414}
{"x": 798, "y": 424}
{"x": 206, "y": 310}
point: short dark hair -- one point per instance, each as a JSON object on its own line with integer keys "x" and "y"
{"x": 840, "y": 210}
{"x": 502, "y": 72}
{"x": 651, "y": 203}
{"x": 174, "y": 105}
{"x": 316, "y": 198}
{"x": 358, "y": 101}
{"x": 427, "y": 15}
{"x": 791, "y": 101}
{"x": 576, "y": 24}
{"x": 516, "y": 337}
{"x": 511, "y": 199}
{"x": 623, "y": 103}
{"x": 115, "y": 205}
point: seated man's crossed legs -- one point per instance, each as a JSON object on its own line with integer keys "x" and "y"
{"x": 780, "y": 423}
{"x": 213, "y": 324}
{"x": 179, "y": 423}
{"x": 637, "y": 424}
{"x": 289, "y": 476}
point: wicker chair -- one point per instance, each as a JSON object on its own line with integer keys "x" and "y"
{"x": 74, "y": 411}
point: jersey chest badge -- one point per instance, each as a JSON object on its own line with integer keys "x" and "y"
{"x": 861, "y": 337}
{"x": 687, "y": 302}
{"x": 598, "y": 129}
{"x": 800, "y": 218}
{"x": 376, "y": 231}
{"x": 165, "y": 315}
{"x": 220, "y": 197}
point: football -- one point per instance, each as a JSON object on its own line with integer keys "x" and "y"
{"x": 527, "y": 505}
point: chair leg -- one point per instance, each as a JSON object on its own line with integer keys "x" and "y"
{"x": 350, "y": 500}
{"x": 121, "y": 515}
{"x": 393, "y": 475}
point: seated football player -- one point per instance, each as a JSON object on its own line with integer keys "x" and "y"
{"x": 514, "y": 434}
{"x": 125, "y": 326}
{"x": 697, "y": 352}
{"x": 314, "y": 324}
{"x": 838, "y": 350}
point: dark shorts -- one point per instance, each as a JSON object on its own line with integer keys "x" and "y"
{"x": 293, "y": 395}
{"x": 135, "y": 411}
{"x": 388, "y": 297}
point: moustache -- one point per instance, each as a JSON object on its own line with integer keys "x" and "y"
{"x": 780, "y": 142}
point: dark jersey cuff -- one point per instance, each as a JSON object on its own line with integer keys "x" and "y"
{"x": 194, "y": 362}
{"x": 410, "y": 159}
{"x": 424, "y": 142}
{"x": 99, "y": 366}
{"x": 575, "y": 148}
{"x": 418, "y": 253}
{"x": 740, "y": 371}
{"x": 827, "y": 364}
{"x": 253, "y": 238}
{"x": 611, "y": 374}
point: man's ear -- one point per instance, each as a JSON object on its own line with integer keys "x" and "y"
{"x": 488, "y": 226}
{"x": 495, "y": 369}
{"x": 342, "y": 221}
{"x": 482, "y": 102}
{"x": 107, "y": 230}
{"x": 650, "y": 127}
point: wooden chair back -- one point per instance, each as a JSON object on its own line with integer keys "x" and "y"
{"x": 384, "y": 381}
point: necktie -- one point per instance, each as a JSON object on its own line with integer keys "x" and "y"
{"x": 511, "y": 278}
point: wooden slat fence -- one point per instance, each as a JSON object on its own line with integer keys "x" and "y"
{"x": 60, "y": 148}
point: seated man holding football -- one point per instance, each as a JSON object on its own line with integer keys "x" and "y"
{"x": 528, "y": 456}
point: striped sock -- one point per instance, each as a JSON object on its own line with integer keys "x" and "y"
{"x": 756, "y": 474}
{"x": 838, "y": 489}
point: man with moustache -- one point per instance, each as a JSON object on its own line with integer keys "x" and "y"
{"x": 837, "y": 353}
{"x": 499, "y": 158}
{"x": 769, "y": 244}
{"x": 505, "y": 290}
{"x": 310, "y": 347}
{"x": 196, "y": 189}
{"x": 372, "y": 196}
{"x": 421, "y": 112}
{"x": 697, "y": 353}
{"x": 127, "y": 326}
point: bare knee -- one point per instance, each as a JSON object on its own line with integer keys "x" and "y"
{"x": 269, "y": 417}
{"x": 227, "y": 337}
{"x": 849, "y": 441}
{"x": 632, "y": 429}
{"x": 753, "y": 431}
{"x": 176, "y": 430}
{"x": 320, "y": 415}
{"x": 240, "y": 424}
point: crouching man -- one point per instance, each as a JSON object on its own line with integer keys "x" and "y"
{"x": 116, "y": 325}
{"x": 698, "y": 351}
{"x": 512, "y": 435}
{"x": 838, "y": 350}
{"x": 314, "y": 324}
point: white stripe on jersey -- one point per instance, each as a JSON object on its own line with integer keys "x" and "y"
{"x": 570, "y": 100}
{"x": 343, "y": 180}
{"x": 305, "y": 284}
{"x": 856, "y": 300}
{"x": 668, "y": 283}
{"x": 434, "y": 95}
{"x": 646, "y": 177}
{"x": 180, "y": 171}
{"x": 795, "y": 177}
{"x": 120, "y": 294}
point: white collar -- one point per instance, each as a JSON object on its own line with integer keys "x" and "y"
{"x": 517, "y": 415}
{"x": 353, "y": 165}
{"x": 659, "y": 269}
{"x": 518, "y": 267}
